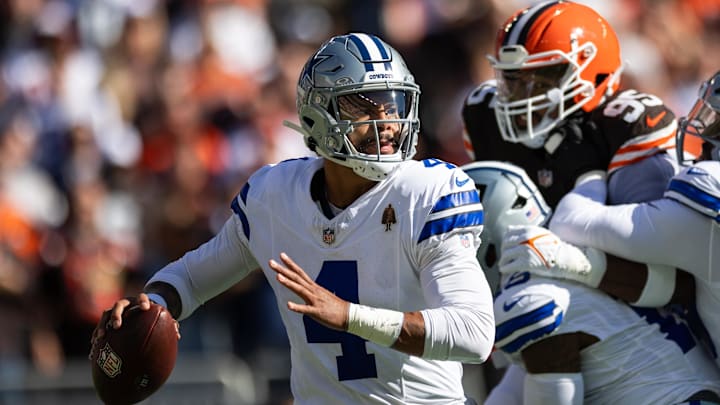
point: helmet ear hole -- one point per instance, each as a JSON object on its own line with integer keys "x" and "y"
{"x": 309, "y": 121}
{"x": 600, "y": 77}
{"x": 481, "y": 189}
{"x": 519, "y": 202}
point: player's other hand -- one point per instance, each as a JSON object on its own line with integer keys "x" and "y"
{"x": 539, "y": 251}
{"x": 320, "y": 304}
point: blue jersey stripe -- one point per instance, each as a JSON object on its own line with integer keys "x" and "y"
{"x": 507, "y": 328}
{"x": 363, "y": 51}
{"x": 243, "y": 218}
{"x": 696, "y": 195}
{"x": 456, "y": 200}
{"x": 447, "y": 224}
{"x": 521, "y": 341}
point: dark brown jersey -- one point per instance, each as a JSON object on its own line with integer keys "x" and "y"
{"x": 626, "y": 128}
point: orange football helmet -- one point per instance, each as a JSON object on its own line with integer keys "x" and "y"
{"x": 552, "y": 59}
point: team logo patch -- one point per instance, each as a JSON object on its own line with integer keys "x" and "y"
{"x": 110, "y": 363}
{"x": 388, "y": 217}
{"x": 532, "y": 213}
{"x": 328, "y": 236}
{"x": 545, "y": 178}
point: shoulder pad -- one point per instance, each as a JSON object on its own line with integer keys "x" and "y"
{"x": 636, "y": 125}
{"x": 698, "y": 187}
{"x": 484, "y": 93}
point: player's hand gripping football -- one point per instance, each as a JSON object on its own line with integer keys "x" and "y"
{"x": 113, "y": 317}
{"x": 320, "y": 304}
{"x": 134, "y": 349}
{"x": 539, "y": 251}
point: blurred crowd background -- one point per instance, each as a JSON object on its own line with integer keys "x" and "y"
{"x": 127, "y": 126}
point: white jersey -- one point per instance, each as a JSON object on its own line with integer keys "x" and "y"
{"x": 643, "y": 356}
{"x": 681, "y": 230}
{"x": 408, "y": 244}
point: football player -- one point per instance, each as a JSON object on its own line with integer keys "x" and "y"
{"x": 556, "y": 107}
{"x": 571, "y": 344}
{"x": 680, "y": 230}
{"x": 371, "y": 254}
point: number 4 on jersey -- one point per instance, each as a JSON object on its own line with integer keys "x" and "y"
{"x": 341, "y": 278}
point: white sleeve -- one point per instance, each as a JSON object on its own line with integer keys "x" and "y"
{"x": 639, "y": 232}
{"x": 553, "y": 389}
{"x": 210, "y": 269}
{"x": 459, "y": 324}
{"x": 509, "y": 390}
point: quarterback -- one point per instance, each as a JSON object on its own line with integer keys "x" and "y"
{"x": 371, "y": 254}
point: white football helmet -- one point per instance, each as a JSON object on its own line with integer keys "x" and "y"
{"x": 509, "y": 197}
{"x": 340, "y": 90}
{"x": 698, "y": 135}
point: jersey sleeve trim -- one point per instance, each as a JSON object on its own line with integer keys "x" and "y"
{"x": 235, "y": 205}
{"x": 644, "y": 146}
{"x": 516, "y": 333}
{"x": 457, "y": 210}
{"x": 695, "y": 198}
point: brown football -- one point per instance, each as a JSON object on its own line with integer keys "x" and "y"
{"x": 130, "y": 363}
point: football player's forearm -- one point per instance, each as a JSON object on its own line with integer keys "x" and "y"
{"x": 412, "y": 335}
{"x": 647, "y": 285}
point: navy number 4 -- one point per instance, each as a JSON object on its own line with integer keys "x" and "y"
{"x": 341, "y": 278}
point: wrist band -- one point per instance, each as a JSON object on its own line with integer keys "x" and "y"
{"x": 381, "y": 326}
{"x": 659, "y": 286}
{"x": 158, "y": 299}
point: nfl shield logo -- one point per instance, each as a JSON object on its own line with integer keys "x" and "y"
{"x": 545, "y": 177}
{"x": 328, "y": 236}
{"x": 109, "y": 361}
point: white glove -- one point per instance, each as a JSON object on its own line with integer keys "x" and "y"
{"x": 539, "y": 251}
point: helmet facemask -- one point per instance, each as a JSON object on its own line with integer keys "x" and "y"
{"x": 698, "y": 136}
{"x": 375, "y": 124}
{"x": 358, "y": 105}
{"x": 536, "y": 92}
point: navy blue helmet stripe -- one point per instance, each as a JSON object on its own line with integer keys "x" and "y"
{"x": 243, "y": 218}
{"x": 447, "y": 224}
{"x": 363, "y": 51}
{"x": 529, "y": 186}
{"x": 383, "y": 52}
